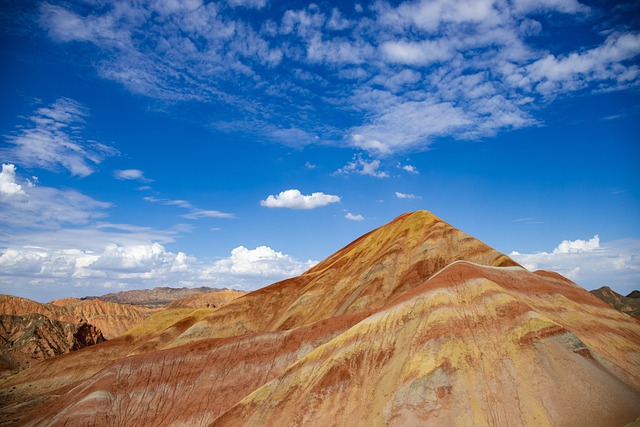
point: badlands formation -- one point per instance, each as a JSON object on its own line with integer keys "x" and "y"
{"x": 415, "y": 323}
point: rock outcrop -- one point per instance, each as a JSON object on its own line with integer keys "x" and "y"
{"x": 28, "y": 339}
{"x": 415, "y": 323}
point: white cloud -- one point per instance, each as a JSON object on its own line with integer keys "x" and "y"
{"x": 8, "y": 186}
{"x": 406, "y": 196}
{"x": 360, "y": 166}
{"x": 131, "y": 174}
{"x": 53, "y": 140}
{"x": 352, "y": 217}
{"x": 293, "y": 199}
{"x": 591, "y": 264}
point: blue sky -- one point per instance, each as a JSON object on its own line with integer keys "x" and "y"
{"x": 234, "y": 144}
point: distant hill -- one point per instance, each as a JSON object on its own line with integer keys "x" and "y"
{"x": 629, "y": 304}
{"x": 155, "y": 297}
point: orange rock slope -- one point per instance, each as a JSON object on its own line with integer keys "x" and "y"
{"x": 415, "y": 323}
{"x": 111, "y": 318}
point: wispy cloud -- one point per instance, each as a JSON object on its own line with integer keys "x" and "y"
{"x": 62, "y": 219}
{"x": 360, "y": 166}
{"x": 294, "y": 199}
{"x": 406, "y": 196}
{"x": 529, "y": 220}
{"x": 131, "y": 174}
{"x": 194, "y": 212}
{"x": 54, "y": 140}
{"x": 404, "y": 74}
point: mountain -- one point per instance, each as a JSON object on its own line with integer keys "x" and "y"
{"x": 629, "y": 304}
{"x": 415, "y": 323}
{"x": 156, "y": 297}
{"x": 634, "y": 294}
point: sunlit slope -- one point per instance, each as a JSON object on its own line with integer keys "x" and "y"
{"x": 474, "y": 345}
{"x": 189, "y": 385}
{"x": 365, "y": 275}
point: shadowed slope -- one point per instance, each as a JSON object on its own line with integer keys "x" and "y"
{"x": 629, "y": 304}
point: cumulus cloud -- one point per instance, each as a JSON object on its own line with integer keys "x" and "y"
{"x": 408, "y": 168}
{"x": 131, "y": 174}
{"x": 8, "y": 185}
{"x": 406, "y": 196}
{"x": 404, "y": 73}
{"x": 360, "y": 166}
{"x": 352, "y": 217}
{"x": 590, "y": 263}
{"x": 261, "y": 261}
{"x": 84, "y": 272}
{"x": 294, "y": 199}
{"x": 578, "y": 246}
{"x": 54, "y": 140}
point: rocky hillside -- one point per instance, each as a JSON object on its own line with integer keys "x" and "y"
{"x": 31, "y": 332}
{"x": 629, "y": 304}
{"x": 28, "y": 339}
{"x": 155, "y": 297}
{"x": 415, "y": 323}
{"x": 111, "y": 318}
